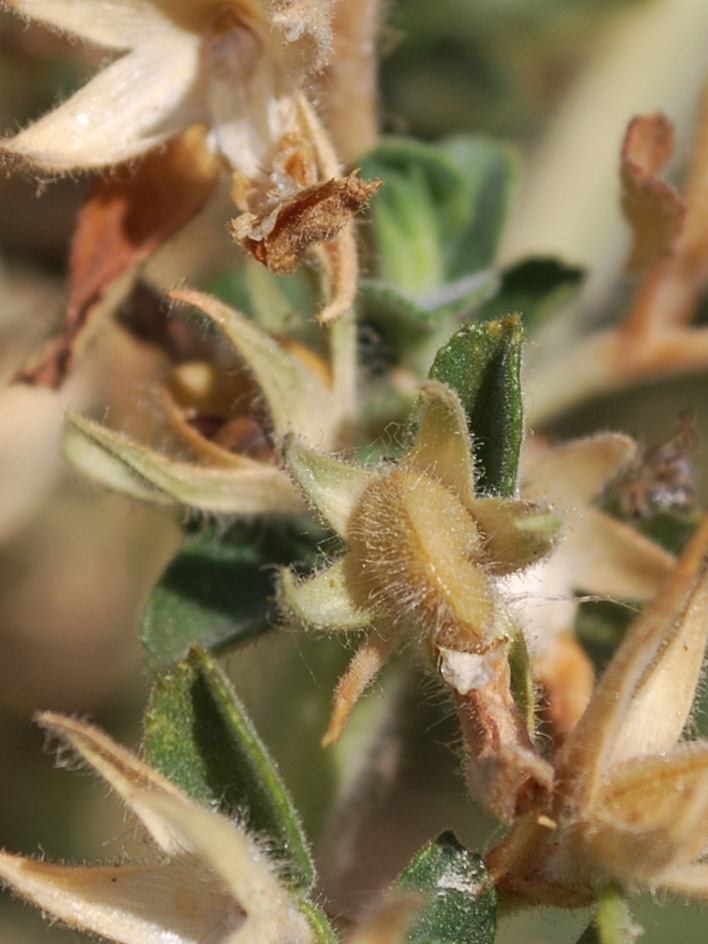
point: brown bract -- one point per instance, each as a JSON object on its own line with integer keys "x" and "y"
{"x": 314, "y": 215}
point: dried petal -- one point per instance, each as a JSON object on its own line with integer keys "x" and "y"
{"x": 612, "y": 559}
{"x": 651, "y": 813}
{"x": 177, "y": 901}
{"x": 570, "y": 475}
{"x": 128, "y": 776}
{"x": 644, "y": 699}
{"x": 124, "y": 219}
{"x": 132, "y": 105}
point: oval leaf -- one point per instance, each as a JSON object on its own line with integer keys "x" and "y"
{"x": 199, "y": 736}
{"x": 482, "y": 363}
{"x": 458, "y": 894}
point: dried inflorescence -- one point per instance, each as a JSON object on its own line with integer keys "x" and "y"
{"x": 631, "y": 795}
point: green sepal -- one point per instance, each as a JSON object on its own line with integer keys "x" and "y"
{"x": 536, "y": 288}
{"x": 521, "y": 679}
{"x": 322, "y": 930}
{"x": 197, "y": 733}
{"x": 458, "y": 896}
{"x": 215, "y": 593}
{"x": 482, "y": 363}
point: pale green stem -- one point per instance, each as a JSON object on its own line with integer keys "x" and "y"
{"x": 343, "y": 360}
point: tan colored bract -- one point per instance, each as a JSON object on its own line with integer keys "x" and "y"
{"x": 425, "y": 553}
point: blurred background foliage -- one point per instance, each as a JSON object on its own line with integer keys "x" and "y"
{"x": 77, "y": 565}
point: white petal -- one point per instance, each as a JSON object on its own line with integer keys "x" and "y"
{"x": 332, "y": 486}
{"x": 115, "y": 24}
{"x": 608, "y": 557}
{"x": 222, "y": 845}
{"x": 179, "y": 902}
{"x": 297, "y": 399}
{"x": 570, "y": 475}
{"x": 134, "y": 104}
{"x": 121, "y": 464}
{"x": 322, "y": 602}
{"x": 119, "y": 768}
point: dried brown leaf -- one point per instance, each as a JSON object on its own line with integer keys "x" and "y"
{"x": 653, "y": 207}
{"x": 314, "y": 215}
{"x": 125, "y": 218}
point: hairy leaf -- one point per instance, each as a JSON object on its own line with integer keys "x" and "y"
{"x": 535, "y": 288}
{"x": 198, "y": 735}
{"x": 216, "y": 592}
{"x": 483, "y": 364}
{"x": 459, "y": 900}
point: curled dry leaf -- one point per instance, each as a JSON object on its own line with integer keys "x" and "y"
{"x": 124, "y": 219}
{"x": 653, "y": 207}
{"x": 314, "y": 215}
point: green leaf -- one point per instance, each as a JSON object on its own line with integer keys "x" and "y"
{"x": 413, "y": 330}
{"x": 273, "y": 301}
{"x": 459, "y": 900}
{"x": 216, "y": 592}
{"x": 198, "y": 735}
{"x": 535, "y": 288}
{"x": 488, "y": 168}
{"x": 483, "y": 364}
{"x": 439, "y": 217}
{"x": 415, "y": 214}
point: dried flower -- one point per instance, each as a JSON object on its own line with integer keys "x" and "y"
{"x": 424, "y": 555}
{"x": 206, "y": 879}
{"x": 631, "y": 796}
{"x": 283, "y": 390}
{"x": 237, "y": 67}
